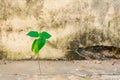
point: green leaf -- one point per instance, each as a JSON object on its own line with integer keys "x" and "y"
{"x": 41, "y": 43}
{"x": 35, "y": 47}
{"x": 38, "y": 45}
{"x": 45, "y": 35}
{"x": 33, "y": 34}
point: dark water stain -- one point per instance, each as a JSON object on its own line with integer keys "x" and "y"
{"x": 2, "y": 55}
{"x": 91, "y": 43}
{"x": 99, "y": 52}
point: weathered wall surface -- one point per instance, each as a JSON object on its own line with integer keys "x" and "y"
{"x": 72, "y": 23}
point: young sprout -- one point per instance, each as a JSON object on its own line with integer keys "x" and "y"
{"x": 39, "y": 42}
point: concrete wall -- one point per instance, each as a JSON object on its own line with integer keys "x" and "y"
{"x": 72, "y": 23}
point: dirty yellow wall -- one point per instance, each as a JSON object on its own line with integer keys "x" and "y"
{"x": 72, "y": 23}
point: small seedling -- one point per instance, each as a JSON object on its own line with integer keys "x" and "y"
{"x": 39, "y": 42}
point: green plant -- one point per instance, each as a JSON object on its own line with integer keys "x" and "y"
{"x": 39, "y": 42}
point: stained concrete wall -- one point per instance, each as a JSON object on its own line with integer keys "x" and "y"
{"x": 72, "y": 23}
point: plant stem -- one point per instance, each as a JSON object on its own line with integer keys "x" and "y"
{"x": 39, "y": 64}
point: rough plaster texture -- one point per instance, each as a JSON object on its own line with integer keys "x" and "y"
{"x": 72, "y": 23}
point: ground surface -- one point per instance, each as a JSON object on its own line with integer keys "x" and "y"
{"x": 61, "y": 70}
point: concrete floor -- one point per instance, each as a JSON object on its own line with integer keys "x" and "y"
{"x": 61, "y": 70}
